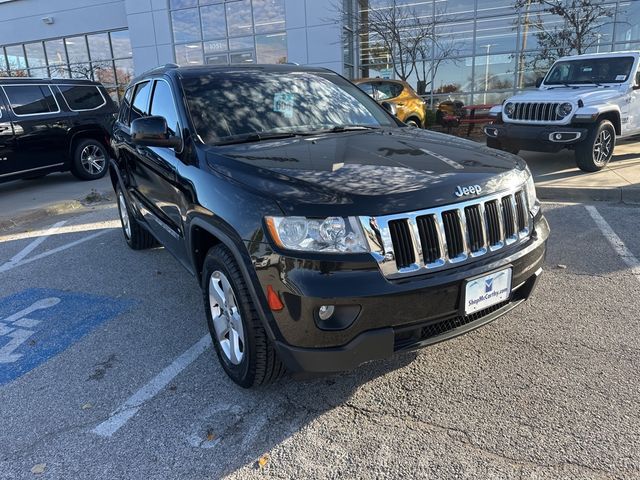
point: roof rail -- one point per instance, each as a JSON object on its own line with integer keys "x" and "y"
{"x": 161, "y": 67}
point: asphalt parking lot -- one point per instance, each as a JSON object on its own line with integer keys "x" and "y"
{"x": 111, "y": 373}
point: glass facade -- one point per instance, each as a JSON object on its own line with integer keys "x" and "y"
{"x": 105, "y": 57}
{"x": 482, "y": 50}
{"x": 223, "y": 32}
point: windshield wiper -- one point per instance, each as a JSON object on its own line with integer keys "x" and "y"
{"x": 257, "y": 137}
{"x": 564, "y": 84}
{"x": 344, "y": 128}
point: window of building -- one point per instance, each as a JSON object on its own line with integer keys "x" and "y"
{"x": 31, "y": 99}
{"x": 232, "y": 31}
{"x": 82, "y": 97}
{"x": 164, "y": 105}
{"x": 77, "y": 49}
{"x": 16, "y": 58}
{"x": 105, "y": 57}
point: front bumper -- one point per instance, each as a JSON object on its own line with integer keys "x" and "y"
{"x": 389, "y": 315}
{"x": 538, "y": 138}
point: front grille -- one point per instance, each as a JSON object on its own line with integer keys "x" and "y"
{"x": 475, "y": 228}
{"x": 405, "y": 338}
{"x": 429, "y": 241}
{"x": 402, "y": 245}
{"x": 453, "y": 233}
{"x": 422, "y": 241}
{"x": 536, "y": 111}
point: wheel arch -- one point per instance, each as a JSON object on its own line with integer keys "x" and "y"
{"x": 614, "y": 117}
{"x": 96, "y": 133}
{"x": 202, "y": 237}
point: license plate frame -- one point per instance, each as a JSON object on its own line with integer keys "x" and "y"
{"x": 486, "y": 290}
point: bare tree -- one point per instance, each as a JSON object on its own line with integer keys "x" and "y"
{"x": 571, "y": 27}
{"x": 399, "y": 36}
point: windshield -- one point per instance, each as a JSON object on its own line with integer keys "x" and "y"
{"x": 256, "y": 104}
{"x": 590, "y": 70}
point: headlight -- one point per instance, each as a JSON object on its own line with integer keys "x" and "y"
{"x": 327, "y": 235}
{"x": 565, "y": 109}
{"x": 508, "y": 109}
{"x": 530, "y": 189}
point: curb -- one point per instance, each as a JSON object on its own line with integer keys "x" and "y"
{"x": 51, "y": 210}
{"x": 629, "y": 195}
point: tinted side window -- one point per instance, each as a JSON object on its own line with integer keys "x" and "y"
{"x": 366, "y": 88}
{"x": 163, "y": 105}
{"x": 125, "y": 107}
{"x": 31, "y": 99}
{"x": 388, "y": 90}
{"x": 81, "y": 97}
{"x": 140, "y": 101}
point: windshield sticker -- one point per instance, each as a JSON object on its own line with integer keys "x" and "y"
{"x": 283, "y": 103}
{"x": 621, "y": 78}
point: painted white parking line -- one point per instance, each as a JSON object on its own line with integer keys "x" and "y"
{"x": 35, "y": 244}
{"x": 130, "y": 407}
{"x": 79, "y": 228}
{"x": 10, "y": 266}
{"x": 618, "y": 245}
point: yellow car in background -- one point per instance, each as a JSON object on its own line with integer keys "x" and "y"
{"x": 410, "y": 107}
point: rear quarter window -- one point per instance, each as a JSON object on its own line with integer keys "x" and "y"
{"x": 82, "y": 97}
{"x": 31, "y": 99}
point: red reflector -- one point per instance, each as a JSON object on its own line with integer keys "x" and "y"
{"x": 273, "y": 299}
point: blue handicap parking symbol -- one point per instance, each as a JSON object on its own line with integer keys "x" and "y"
{"x": 37, "y": 324}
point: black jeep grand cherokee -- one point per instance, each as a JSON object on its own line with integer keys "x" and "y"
{"x": 324, "y": 232}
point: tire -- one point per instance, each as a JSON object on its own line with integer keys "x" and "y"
{"x": 90, "y": 160}
{"x": 493, "y": 143}
{"x": 595, "y": 152}
{"x": 412, "y": 122}
{"x": 241, "y": 343}
{"x": 136, "y": 237}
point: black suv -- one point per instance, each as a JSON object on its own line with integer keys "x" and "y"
{"x": 324, "y": 232}
{"x": 52, "y": 126}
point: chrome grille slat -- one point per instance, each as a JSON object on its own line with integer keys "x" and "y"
{"x": 536, "y": 112}
{"x": 427, "y": 240}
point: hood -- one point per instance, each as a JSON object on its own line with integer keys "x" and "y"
{"x": 374, "y": 172}
{"x": 589, "y": 95}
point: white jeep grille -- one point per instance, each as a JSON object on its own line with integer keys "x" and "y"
{"x": 536, "y": 111}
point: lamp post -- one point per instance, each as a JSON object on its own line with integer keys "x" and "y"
{"x": 486, "y": 74}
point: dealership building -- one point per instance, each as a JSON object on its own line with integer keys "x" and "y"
{"x": 486, "y": 45}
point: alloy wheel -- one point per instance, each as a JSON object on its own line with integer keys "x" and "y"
{"x": 602, "y": 147}
{"x": 226, "y": 318}
{"x": 124, "y": 214}
{"x": 93, "y": 159}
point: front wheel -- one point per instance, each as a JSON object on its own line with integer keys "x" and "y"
{"x": 136, "y": 237}
{"x": 245, "y": 353}
{"x": 594, "y": 153}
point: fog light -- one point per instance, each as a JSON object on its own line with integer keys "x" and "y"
{"x": 558, "y": 136}
{"x": 325, "y": 312}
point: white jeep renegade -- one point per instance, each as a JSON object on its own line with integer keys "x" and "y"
{"x": 583, "y": 103}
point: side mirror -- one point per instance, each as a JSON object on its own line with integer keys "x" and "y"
{"x": 636, "y": 85}
{"x": 390, "y": 107}
{"x": 539, "y": 81}
{"x": 153, "y": 132}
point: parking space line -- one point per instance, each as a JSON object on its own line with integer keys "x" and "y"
{"x": 10, "y": 266}
{"x": 618, "y": 245}
{"x": 33, "y": 245}
{"x": 130, "y": 407}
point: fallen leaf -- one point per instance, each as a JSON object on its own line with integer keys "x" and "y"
{"x": 87, "y": 406}
{"x": 210, "y": 435}
{"x": 263, "y": 460}
{"x": 38, "y": 468}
